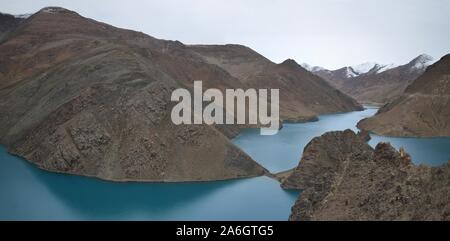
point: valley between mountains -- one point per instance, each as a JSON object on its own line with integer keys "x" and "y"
{"x": 82, "y": 97}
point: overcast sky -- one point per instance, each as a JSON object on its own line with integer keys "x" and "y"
{"x": 329, "y": 33}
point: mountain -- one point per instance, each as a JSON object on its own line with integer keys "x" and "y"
{"x": 9, "y": 22}
{"x": 312, "y": 68}
{"x": 376, "y": 83}
{"x": 343, "y": 178}
{"x": 303, "y": 95}
{"x": 423, "y": 109}
{"x": 82, "y": 97}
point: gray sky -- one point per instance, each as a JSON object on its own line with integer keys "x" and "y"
{"x": 329, "y": 33}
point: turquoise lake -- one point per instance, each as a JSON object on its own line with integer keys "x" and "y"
{"x": 28, "y": 193}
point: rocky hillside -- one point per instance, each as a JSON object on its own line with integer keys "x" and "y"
{"x": 343, "y": 178}
{"x": 376, "y": 83}
{"x": 9, "y": 22}
{"x": 302, "y": 95}
{"x": 423, "y": 110}
{"x": 82, "y": 97}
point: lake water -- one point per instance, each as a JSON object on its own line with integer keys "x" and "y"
{"x": 28, "y": 193}
{"x": 282, "y": 151}
{"x": 286, "y": 148}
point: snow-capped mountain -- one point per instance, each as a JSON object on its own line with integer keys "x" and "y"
{"x": 350, "y": 72}
{"x": 422, "y": 61}
{"x": 23, "y": 15}
{"x": 386, "y": 67}
{"x": 354, "y": 71}
{"x": 312, "y": 68}
{"x": 371, "y": 67}
{"x": 364, "y": 67}
{"x": 379, "y": 68}
{"x": 373, "y": 82}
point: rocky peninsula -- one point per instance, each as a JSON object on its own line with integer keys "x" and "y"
{"x": 343, "y": 178}
{"x": 422, "y": 111}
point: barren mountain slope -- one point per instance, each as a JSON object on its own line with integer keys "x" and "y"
{"x": 82, "y": 97}
{"x": 302, "y": 94}
{"x": 79, "y": 96}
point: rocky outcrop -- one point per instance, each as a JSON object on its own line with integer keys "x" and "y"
{"x": 343, "y": 178}
{"x": 8, "y": 23}
{"x": 423, "y": 110}
{"x": 364, "y": 135}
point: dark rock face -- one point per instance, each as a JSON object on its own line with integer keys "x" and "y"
{"x": 82, "y": 97}
{"x": 343, "y": 178}
{"x": 423, "y": 110}
{"x": 303, "y": 95}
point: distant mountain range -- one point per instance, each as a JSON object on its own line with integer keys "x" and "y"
{"x": 372, "y": 82}
{"x": 83, "y": 97}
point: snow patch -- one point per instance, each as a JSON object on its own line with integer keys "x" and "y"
{"x": 17, "y": 15}
{"x": 318, "y": 68}
{"x": 383, "y": 68}
{"x": 312, "y": 68}
{"x": 423, "y": 61}
{"x": 364, "y": 67}
{"x": 23, "y": 15}
{"x": 52, "y": 10}
{"x": 368, "y": 68}
{"x": 350, "y": 72}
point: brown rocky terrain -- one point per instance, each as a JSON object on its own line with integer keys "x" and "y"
{"x": 7, "y": 23}
{"x": 83, "y": 97}
{"x": 303, "y": 95}
{"x": 343, "y": 178}
{"x": 378, "y": 85}
{"x": 423, "y": 109}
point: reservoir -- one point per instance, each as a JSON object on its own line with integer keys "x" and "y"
{"x": 28, "y": 193}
